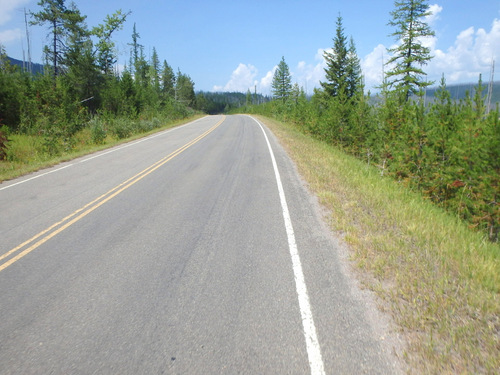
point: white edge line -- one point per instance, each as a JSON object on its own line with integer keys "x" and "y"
{"x": 310, "y": 335}
{"x": 101, "y": 154}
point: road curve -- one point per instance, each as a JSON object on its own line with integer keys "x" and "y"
{"x": 193, "y": 251}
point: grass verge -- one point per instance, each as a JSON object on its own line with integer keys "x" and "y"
{"x": 439, "y": 280}
{"x": 27, "y": 154}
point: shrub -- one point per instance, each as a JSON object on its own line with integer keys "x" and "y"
{"x": 97, "y": 131}
{"x": 3, "y": 142}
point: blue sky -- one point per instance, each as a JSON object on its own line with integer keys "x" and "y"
{"x": 235, "y": 45}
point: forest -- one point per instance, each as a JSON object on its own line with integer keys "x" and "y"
{"x": 80, "y": 96}
{"x": 446, "y": 148}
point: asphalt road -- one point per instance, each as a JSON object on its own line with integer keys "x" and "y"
{"x": 194, "y": 251}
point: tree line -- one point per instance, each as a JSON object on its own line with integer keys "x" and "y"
{"x": 449, "y": 150}
{"x": 81, "y": 87}
{"x": 223, "y": 102}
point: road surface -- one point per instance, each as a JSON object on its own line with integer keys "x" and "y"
{"x": 193, "y": 251}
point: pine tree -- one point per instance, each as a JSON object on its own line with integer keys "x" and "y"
{"x": 184, "y": 88}
{"x": 201, "y": 102}
{"x": 62, "y": 21}
{"x": 136, "y": 48}
{"x": 343, "y": 68}
{"x": 155, "y": 70}
{"x": 354, "y": 74}
{"x": 281, "y": 84}
{"x": 406, "y": 74}
{"x": 336, "y": 63}
{"x": 141, "y": 70}
{"x": 167, "y": 80}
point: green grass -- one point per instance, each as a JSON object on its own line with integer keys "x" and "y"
{"x": 28, "y": 154}
{"x": 438, "y": 279}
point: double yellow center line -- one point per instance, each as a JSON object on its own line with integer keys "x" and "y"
{"x": 34, "y": 242}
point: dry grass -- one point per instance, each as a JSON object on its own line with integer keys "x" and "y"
{"x": 439, "y": 280}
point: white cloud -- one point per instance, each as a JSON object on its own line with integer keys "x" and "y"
{"x": 308, "y": 76}
{"x": 8, "y": 36}
{"x": 264, "y": 86}
{"x": 305, "y": 75}
{"x": 7, "y": 7}
{"x": 471, "y": 54}
{"x": 320, "y": 54}
{"x": 372, "y": 66}
{"x": 434, "y": 9}
{"x": 242, "y": 79}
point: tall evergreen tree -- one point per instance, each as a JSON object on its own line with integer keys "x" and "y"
{"x": 184, "y": 89}
{"x": 343, "y": 69}
{"x": 77, "y": 40}
{"x": 410, "y": 54}
{"x": 281, "y": 85}
{"x": 336, "y": 63}
{"x": 154, "y": 68}
{"x": 248, "y": 98}
{"x": 167, "y": 80}
{"x": 354, "y": 73}
{"x": 141, "y": 70}
{"x": 62, "y": 21}
{"x": 136, "y": 48}
{"x": 83, "y": 80}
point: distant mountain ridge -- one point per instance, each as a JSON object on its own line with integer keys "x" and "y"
{"x": 459, "y": 90}
{"x": 35, "y": 67}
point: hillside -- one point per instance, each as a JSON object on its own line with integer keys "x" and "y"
{"x": 35, "y": 67}
{"x": 458, "y": 91}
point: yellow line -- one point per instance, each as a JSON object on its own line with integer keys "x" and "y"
{"x": 89, "y": 207}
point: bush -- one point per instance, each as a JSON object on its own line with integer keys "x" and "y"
{"x": 3, "y": 142}
{"x": 121, "y": 128}
{"x": 97, "y": 131}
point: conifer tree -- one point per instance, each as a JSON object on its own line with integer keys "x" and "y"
{"x": 167, "y": 80}
{"x": 136, "y": 48}
{"x": 184, "y": 89}
{"x": 336, "y": 63}
{"x": 343, "y": 69}
{"x": 410, "y": 54}
{"x": 248, "y": 98}
{"x": 154, "y": 68}
{"x": 281, "y": 85}
{"x": 354, "y": 74}
{"x": 62, "y": 21}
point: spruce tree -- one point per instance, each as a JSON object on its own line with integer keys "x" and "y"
{"x": 343, "y": 69}
{"x": 354, "y": 73}
{"x": 154, "y": 68}
{"x": 62, "y": 21}
{"x": 184, "y": 89}
{"x": 410, "y": 54}
{"x": 336, "y": 63}
{"x": 167, "y": 80}
{"x": 135, "y": 50}
{"x": 281, "y": 85}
